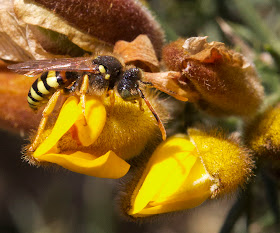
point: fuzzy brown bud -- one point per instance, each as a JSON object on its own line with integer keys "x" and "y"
{"x": 108, "y": 21}
{"x": 226, "y": 83}
{"x": 53, "y": 29}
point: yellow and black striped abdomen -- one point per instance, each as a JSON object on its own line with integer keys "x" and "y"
{"x": 46, "y": 85}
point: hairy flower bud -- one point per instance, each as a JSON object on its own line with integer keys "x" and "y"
{"x": 227, "y": 162}
{"x": 46, "y": 29}
{"x": 262, "y": 135}
{"x": 108, "y": 21}
{"x": 225, "y": 82}
{"x": 184, "y": 171}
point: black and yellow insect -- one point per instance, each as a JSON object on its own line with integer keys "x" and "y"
{"x": 46, "y": 85}
{"x": 84, "y": 76}
{"x": 67, "y": 75}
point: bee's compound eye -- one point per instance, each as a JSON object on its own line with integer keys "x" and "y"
{"x": 124, "y": 93}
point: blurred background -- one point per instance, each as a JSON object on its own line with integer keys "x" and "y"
{"x": 43, "y": 200}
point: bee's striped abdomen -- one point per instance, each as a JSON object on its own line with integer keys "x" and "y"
{"x": 46, "y": 85}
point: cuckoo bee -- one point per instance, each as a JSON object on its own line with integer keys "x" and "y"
{"x": 84, "y": 76}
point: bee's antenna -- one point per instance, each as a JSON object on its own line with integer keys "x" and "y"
{"x": 160, "y": 124}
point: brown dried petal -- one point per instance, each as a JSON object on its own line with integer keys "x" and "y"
{"x": 20, "y": 41}
{"x": 139, "y": 52}
{"x": 197, "y": 48}
{"x": 13, "y": 43}
{"x": 168, "y": 83}
{"x": 226, "y": 82}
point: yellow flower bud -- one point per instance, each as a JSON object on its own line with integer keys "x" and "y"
{"x": 184, "y": 171}
{"x": 263, "y": 134}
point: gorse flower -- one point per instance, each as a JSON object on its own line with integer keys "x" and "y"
{"x": 174, "y": 179}
{"x": 112, "y": 135}
{"x": 184, "y": 171}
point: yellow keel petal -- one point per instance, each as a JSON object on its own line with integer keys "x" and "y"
{"x": 171, "y": 207}
{"x": 105, "y": 166}
{"x": 68, "y": 115}
{"x": 95, "y": 114}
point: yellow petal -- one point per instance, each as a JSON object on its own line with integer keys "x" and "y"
{"x": 166, "y": 159}
{"x": 186, "y": 182}
{"x": 179, "y": 205}
{"x": 95, "y": 114}
{"x": 67, "y": 117}
{"x": 105, "y": 166}
{"x": 189, "y": 191}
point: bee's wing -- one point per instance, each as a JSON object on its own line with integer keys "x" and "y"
{"x": 34, "y": 67}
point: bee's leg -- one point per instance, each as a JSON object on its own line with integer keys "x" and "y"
{"x": 160, "y": 124}
{"x": 140, "y": 101}
{"x": 47, "y": 111}
{"x": 83, "y": 91}
{"x": 111, "y": 95}
{"x": 146, "y": 84}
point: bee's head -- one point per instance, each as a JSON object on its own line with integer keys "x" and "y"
{"x": 128, "y": 85}
{"x": 109, "y": 66}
